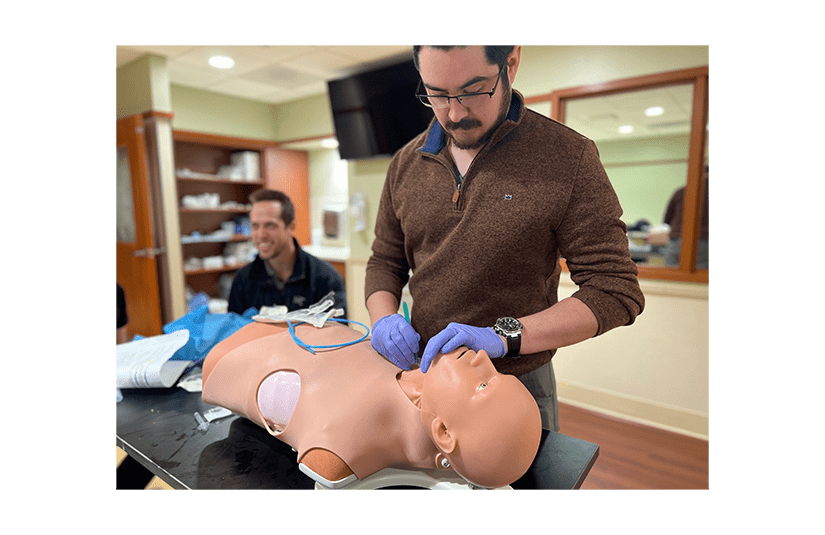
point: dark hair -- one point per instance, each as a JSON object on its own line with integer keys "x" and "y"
{"x": 496, "y": 55}
{"x": 287, "y": 209}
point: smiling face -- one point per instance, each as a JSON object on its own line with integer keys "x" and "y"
{"x": 269, "y": 233}
{"x": 487, "y": 424}
{"x": 465, "y": 70}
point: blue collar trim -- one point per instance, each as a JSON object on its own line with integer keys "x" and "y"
{"x": 436, "y": 140}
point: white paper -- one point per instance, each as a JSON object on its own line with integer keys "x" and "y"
{"x": 217, "y": 413}
{"x": 145, "y": 363}
{"x": 192, "y": 381}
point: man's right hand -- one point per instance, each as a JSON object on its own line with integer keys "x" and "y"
{"x": 394, "y": 337}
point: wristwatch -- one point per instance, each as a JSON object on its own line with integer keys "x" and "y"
{"x": 510, "y": 328}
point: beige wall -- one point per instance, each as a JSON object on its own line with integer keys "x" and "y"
{"x": 305, "y": 118}
{"x": 214, "y": 113}
{"x": 546, "y": 68}
{"x": 143, "y": 85}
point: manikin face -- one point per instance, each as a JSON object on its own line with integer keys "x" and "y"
{"x": 487, "y": 424}
{"x": 464, "y": 382}
{"x": 465, "y": 70}
{"x": 270, "y": 235}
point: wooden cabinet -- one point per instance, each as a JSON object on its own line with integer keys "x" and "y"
{"x": 210, "y": 203}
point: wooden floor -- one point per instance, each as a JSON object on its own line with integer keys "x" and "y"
{"x": 631, "y": 456}
{"x": 634, "y": 456}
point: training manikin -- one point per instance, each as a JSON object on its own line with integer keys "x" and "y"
{"x": 348, "y": 410}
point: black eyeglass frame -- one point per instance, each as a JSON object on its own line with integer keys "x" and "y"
{"x": 424, "y": 98}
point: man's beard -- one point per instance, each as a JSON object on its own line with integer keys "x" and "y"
{"x": 466, "y": 124}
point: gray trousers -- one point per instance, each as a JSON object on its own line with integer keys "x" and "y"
{"x": 542, "y": 384}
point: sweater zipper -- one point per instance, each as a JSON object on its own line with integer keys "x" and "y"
{"x": 459, "y": 180}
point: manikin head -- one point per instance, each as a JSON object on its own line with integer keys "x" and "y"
{"x": 485, "y": 424}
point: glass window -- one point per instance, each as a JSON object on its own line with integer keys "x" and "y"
{"x": 125, "y": 204}
{"x": 652, "y": 136}
{"x": 643, "y": 139}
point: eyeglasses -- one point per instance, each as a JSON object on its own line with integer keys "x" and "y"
{"x": 467, "y": 100}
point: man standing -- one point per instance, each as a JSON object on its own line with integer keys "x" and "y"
{"x": 282, "y": 273}
{"x": 481, "y": 207}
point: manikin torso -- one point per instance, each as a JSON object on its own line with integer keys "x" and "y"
{"x": 347, "y": 401}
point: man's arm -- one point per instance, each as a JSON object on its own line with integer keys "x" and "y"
{"x": 380, "y": 304}
{"x": 566, "y": 323}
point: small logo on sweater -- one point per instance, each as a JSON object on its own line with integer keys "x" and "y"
{"x": 508, "y": 197}
{"x": 299, "y": 300}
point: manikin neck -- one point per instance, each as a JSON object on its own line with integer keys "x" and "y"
{"x": 411, "y": 382}
{"x": 424, "y": 454}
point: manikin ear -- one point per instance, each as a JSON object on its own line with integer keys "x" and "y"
{"x": 443, "y": 439}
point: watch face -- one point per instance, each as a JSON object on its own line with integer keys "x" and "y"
{"x": 509, "y": 324}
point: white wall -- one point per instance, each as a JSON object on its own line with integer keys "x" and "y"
{"x": 328, "y": 187}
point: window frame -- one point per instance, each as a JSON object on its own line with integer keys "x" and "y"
{"x": 691, "y": 223}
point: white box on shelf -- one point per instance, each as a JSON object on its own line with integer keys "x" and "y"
{"x": 249, "y": 162}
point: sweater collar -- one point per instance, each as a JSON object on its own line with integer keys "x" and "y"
{"x": 436, "y": 138}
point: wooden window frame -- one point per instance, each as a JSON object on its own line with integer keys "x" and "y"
{"x": 691, "y": 223}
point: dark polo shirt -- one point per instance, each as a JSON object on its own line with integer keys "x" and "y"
{"x": 256, "y": 285}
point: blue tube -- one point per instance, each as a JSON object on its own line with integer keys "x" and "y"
{"x": 333, "y": 346}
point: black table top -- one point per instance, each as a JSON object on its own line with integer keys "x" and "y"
{"x": 157, "y": 427}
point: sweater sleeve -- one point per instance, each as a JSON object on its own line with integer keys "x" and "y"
{"x": 387, "y": 268}
{"x": 593, "y": 241}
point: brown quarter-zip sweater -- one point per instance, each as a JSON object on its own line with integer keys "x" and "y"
{"x": 535, "y": 192}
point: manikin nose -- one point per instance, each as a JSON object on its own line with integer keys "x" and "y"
{"x": 479, "y": 358}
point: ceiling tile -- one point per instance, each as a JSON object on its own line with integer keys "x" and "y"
{"x": 281, "y": 76}
{"x": 364, "y": 54}
{"x": 199, "y": 57}
{"x": 185, "y": 74}
{"x": 167, "y": 51}
{"x": 275, "y": 53}
{"x": 318, "y": 88}
{"x": 322, "y": 63}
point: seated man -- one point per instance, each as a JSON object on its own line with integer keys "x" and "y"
{"x": 348, "y": 410}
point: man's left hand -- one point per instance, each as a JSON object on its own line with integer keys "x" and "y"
{"x": 458, "y": 334}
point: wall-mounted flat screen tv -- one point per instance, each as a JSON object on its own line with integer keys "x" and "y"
{"x": 375, "y": 112}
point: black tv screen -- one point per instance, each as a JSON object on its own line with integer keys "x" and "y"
{"x": 376, "y": 112}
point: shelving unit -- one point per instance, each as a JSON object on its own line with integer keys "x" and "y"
{"x": 203, "y": 156}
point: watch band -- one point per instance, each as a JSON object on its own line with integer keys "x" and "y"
{"x": 513, "y": 345}
{"x": 510, "y": 329}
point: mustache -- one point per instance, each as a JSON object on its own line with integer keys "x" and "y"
{"x": 464, "y": 124}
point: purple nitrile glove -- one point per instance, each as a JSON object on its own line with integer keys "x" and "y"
{"x": 458, "y": 334}
{"x": 394, "y": 337}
